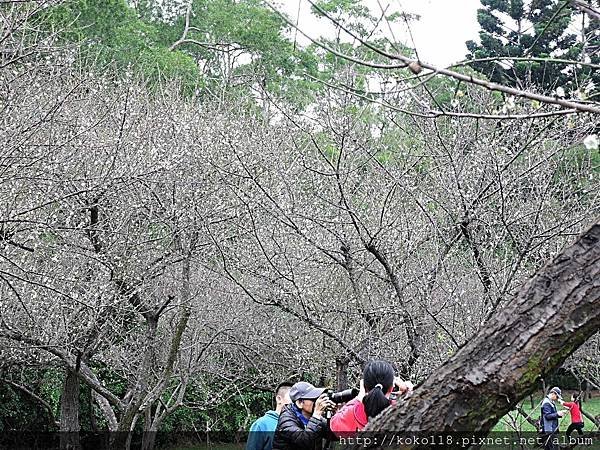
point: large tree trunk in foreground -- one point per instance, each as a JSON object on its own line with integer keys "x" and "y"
{"x": 552, "y": 315}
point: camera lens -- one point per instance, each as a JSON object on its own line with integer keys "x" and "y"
{"x": 343, "y": 396}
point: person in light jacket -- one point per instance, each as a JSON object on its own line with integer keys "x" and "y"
{"x": 550, "y": 418}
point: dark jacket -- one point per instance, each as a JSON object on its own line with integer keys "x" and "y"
{"x": 549, "y": 416}
{"x": 292, "y": 435}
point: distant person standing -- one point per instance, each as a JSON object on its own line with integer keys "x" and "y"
{"x": 550, "y": 418}
{"x": 263, "y": 429}
{"x": 574, "y": 407}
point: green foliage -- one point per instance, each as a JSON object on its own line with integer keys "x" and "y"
{"x": 111, "y": 379}
{"x": 48, "y": 237}
{"x": 255, "y": 32}
{"x": 235, "y": 48}
{"x": 396, "y": 147}
{"x": 580, "y": 161}
{"x": 110, "y": 35}
{"x": 449, "y": 93}
{"x": 51, "y": 387}
{"x": 336, "y": 8}
{"x": 327, "y": 146}
{"x": 239, "y": 410}
{"x": 19, "y": 412}
{"x": 579, "y": 170}
{"x": 537, "y": 28}
{"x": 231, "y": 46}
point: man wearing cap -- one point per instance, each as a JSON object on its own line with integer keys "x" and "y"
{"x": 301, "y": 424}
{"x": 550, "y": 418}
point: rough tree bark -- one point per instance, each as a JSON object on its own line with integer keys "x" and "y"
{"x": 341, "y": 373}
{"x": 555, "y": 312}
{"x": 69, "y": 412}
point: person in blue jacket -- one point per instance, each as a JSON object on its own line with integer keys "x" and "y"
{"x": 263, "y": 429}
{"x": 550, "y": 418}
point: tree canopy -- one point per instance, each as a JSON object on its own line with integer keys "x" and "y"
{"x": 196, "y": 207}
{"x": 541, "y": 43}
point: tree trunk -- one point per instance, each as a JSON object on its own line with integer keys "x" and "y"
{"x": 341, "y": 373}
{"x": 92, "y": 413}
{"x": 148, "y": 440}
{"x": 413, "y": 335}
{"x": 552, "y": 315}
{"x": 69, "y": 413}
{"x": 544, "y": 387}
{"x": 591, "y": 418}
{"x": 526, "y": 416}
{"x": 150, "y": 429}
{"x": 588, "y": 391}
{"x": 592, "y": 382}
{"x": 122, "y": 437}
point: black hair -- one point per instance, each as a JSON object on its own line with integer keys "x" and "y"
{"x": 377, "y": 372}
{"x": 285, "y": 384}
{"x": 576, "y": 398}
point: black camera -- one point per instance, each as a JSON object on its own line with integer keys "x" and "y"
{"x": 342, "y": 396}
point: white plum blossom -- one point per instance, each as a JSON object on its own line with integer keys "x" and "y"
{"x": 591, "y": 142}
{"x": 589, "y": 87}
{"x": 560, "y": 92}
{"x": 509, "y": 105}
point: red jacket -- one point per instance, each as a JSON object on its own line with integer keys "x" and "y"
{"x": 575, "y": 411}
{"x": 350, "y": 419}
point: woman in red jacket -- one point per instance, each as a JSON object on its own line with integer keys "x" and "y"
{"x": 375, "y": 388}
{"x": 576, "y": 419}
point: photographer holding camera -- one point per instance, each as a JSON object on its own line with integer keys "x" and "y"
{"x": 375, "y": 389}
{"x": 302, "y": 425}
